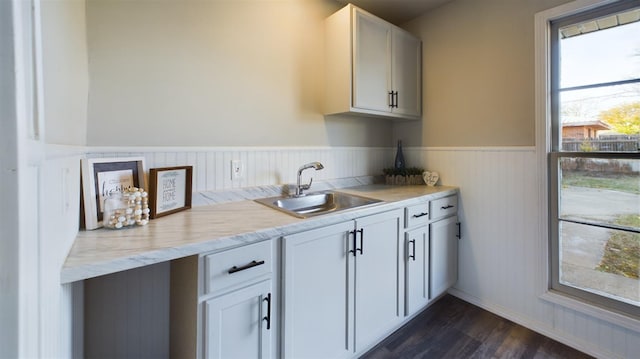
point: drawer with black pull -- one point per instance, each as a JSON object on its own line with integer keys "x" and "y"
{"x": 444, "y": 207}
{"x": 416, "y": 215}
{"x": 235, "y": 266}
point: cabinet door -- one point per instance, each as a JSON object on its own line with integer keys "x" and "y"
{"x": 406, "y": 73}
{"x": 416, "y": 269}
{"x": 371, "y": 62}
{"x": 377, "y": 276}
{"x": 318, "y": 306}
{"x": 444, "y": 255}
{"x": 235, "y": 326}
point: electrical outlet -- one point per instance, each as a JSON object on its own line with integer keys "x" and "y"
{"x": 237, "y": 170}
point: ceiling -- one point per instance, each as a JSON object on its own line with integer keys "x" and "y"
{"x": 396, "y": 11}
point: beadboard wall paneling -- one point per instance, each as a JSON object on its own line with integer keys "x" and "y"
{"x": 57, "y": 197}
{"x": 499, "y": 209}
{"x": 133, "y": 309}
{"x": 262, "y": 165}
{"x": 499, "y": 254}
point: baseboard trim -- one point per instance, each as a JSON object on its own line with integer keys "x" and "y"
{"x": 536, "y": 326}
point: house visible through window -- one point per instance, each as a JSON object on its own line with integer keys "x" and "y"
{"x": 594, "y": 163}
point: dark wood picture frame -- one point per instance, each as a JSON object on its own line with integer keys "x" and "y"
{"x": 96, "y": 170}
{"x": 169, "y": 190}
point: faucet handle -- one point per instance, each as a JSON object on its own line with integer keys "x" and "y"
{"x": 306, "y": 186}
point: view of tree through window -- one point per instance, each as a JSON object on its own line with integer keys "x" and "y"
{"x": 596, "y": 244}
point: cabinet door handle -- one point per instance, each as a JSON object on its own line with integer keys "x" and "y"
{"x": 354, "y": 243}
{"x": 361, "y": 249}
{"x": 391, "y": 99}
{"x": 447, "y": 206}
{"x": 413, "y": 250}
{"x": 459, "y": 235}
{"x": 420, "y": 215}
{"x": 395, "y": 103}
{"x": 268, "y": 317}
{"x": 246, "y": 266}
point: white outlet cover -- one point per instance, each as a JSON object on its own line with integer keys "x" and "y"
{"x": 237, "y": 170}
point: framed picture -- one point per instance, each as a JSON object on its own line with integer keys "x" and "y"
{"x": 104, "y": 176}
{"x": 169, "y": 190}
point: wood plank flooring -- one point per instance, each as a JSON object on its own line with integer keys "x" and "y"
{"x": 453, "y": 328}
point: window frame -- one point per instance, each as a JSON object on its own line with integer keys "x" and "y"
{"x": 554, "y": 235}
{"x": 547, "y": 129}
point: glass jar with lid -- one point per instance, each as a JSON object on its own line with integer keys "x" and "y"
{"x": 117, "y": 213}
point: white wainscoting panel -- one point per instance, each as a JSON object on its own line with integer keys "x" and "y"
{"x": 500, "y": 250}
{"x": 57, "y": 198}
{"x": 132, "y": 309}
{"x": 262, "y": 165}
{"x": 499, "y": 257}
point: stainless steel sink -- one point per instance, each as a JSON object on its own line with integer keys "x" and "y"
{"x": 314, "y": 204}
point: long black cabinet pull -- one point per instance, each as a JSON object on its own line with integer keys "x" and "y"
{"x": 391, "y": 99}
{"x": 246, "y": 266}
{"x": 355, "y": 238}
{"x": 354, "y": 243}
{"x": 459, "y": 235}
{"x": 268, "y": 317}
{"x": 420, "y": 215}
{"x": 395, "y": 104}
{"x": 447, "y": 207}
{"x": 413, "y": 250}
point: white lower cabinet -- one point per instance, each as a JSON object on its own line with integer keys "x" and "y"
{"x": 431, "y": 251}
{"x": 238, "y": 324}
{"x": 377, "y": 295}
{"x": 317, "y": 302}
{"x": 225, "y": 304}
{"x": 443, "y": 241}
{"x": 341, "y": 287}
{"x": 330, "y": 292}
{"x": 416, "y": 270}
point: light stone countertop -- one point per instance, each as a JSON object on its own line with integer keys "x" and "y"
{"x": 217, "y": 227}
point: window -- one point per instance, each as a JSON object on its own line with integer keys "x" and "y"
{"x": 594, "y": 158}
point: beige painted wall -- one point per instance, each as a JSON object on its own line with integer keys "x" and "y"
{"x": 65, "y": 71}
{"x": 478, "y": 69}
{"x": 213, "y": 73}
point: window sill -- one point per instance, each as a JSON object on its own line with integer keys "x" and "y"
{"x": 609, "y": 316}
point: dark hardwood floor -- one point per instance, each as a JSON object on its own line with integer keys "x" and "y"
{"x": 453, "y": 328}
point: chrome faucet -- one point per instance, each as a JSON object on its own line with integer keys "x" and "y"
{"x": 303, "y": 187}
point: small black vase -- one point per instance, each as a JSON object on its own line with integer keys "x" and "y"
{"x": 399, "y": 163}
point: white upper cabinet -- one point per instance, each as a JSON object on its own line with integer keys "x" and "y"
{"x": 373, "y": 67}
{"x": 371, "y": 63}
{"x": 406, "y": 75}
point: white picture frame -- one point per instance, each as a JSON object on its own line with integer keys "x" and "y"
{"x": 102, "y": 176}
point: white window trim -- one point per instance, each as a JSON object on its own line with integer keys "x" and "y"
{"x": 543, "y": 145}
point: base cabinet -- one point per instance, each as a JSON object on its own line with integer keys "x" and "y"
{"x": 237, "y": 324}
{"x": 444, "y": 254}
{"x": 431, "y": 251}
{"x": 416, "y": 270}
{"x": 317, "y": 299}
{"x": 377, "y": 295}
{"x": 341, "y": 287}
{"x": 224, "y": 304}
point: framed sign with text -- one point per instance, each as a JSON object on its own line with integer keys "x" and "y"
{"x": 102, "y": 177}
{"x": 169, "y": 190}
